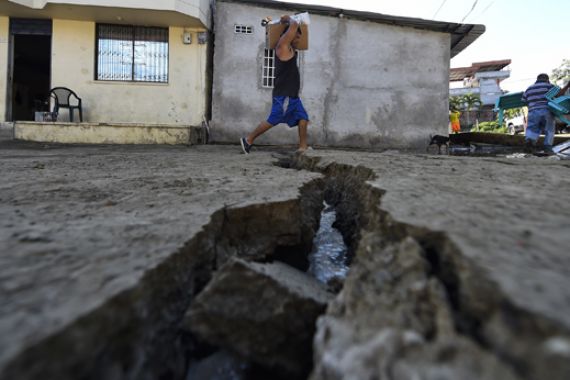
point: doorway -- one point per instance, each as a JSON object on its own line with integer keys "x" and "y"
{"x": 30, "y": 69}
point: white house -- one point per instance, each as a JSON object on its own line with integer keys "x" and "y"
{"x": 368, "y": 80}
{"x": 481, "y": 78}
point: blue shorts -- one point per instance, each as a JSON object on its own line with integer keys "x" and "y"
{"x": 294, "y": 113}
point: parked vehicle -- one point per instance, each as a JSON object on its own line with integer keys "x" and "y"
{"x": 516, "y": 125}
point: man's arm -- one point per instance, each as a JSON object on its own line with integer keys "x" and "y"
{"x": 283, "y": 50}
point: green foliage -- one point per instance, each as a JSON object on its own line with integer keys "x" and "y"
{"x": 561, "y": 75}
{"x": 489, "y": 127}
{"x": 465, "y": 102}
{"x": 471, "y": 101}
{"x": 512, "y": 112}
{"x": 455, "y": 103}
{"x": 501, "y": 130}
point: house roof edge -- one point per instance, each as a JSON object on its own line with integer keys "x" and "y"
{"x": 462, "y": 35}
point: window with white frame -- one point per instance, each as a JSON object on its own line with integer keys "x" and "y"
{"x": 131, "y": 53}
{"x": 243, "y": 29}
{"x": 268, "y": 74}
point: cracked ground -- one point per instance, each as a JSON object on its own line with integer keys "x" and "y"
{"x": 88, "y": 231}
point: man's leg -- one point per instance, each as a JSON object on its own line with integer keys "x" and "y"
{"x": 247, "y": 142}
{"x": 297, "y": 115}
{"x": 275, "y": 117}
{"x": 263, "y": 127}
{"x": 532, "y": 132}
{"x": 303, "y": 134}
{"x": 548, "y": 131}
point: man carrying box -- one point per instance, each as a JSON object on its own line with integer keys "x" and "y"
{"x": 287, "y": 106}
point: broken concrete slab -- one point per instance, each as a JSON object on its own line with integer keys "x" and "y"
{"x": 103, "y": 257}
{"x": 393, "y": 317}
{"x": 562, "y": 147}
{"x": 264, "y": 312}
{"x": 220, "y": 365}
{"x": 103, "y": 248}
{"x": 473, "y": 272}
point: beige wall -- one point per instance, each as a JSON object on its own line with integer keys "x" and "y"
{"x": 4, "y": 38}
{"x": 94, "y": 133}
{"x": 181, "y": 101}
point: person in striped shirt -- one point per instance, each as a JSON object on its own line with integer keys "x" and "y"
{"x": 539, "y": 116}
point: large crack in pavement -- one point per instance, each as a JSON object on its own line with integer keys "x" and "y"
{"x": 414, "y": 306}
{"x": 137, "y": 334}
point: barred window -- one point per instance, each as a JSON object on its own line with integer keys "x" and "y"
{"x": 268, "y": 71}
{"x": 132, "y": 53}
{"x": 268, "y": 74}
{"x": 243, "y": 29}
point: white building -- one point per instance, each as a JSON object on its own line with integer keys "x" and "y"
{"x": 368, "y": 80}
{"x": 131, "y": 61}
{"x": 481, "y": 78}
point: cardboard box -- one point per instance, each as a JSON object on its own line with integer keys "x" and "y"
{"x": 273, "y": 33}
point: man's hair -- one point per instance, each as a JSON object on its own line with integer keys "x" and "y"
{"x": 543, "y": 78}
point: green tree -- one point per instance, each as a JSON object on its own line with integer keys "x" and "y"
{"x": 512, "y": 112}
{"x": 561, "y": 75}
{"x": 471, "y": 102}
{"x": 455, "y": 103}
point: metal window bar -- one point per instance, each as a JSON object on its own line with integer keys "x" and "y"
{"x": 243, "y": 29}
{"x": 132, "y": 53}
{"x": 268, "y": 71}
{"x": 151, "y": 54}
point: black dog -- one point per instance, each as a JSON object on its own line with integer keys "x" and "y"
{"x": 439, "y": 140}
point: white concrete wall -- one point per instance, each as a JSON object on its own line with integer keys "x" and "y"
{"x": 4, "y": 39}
{"x": 490, "y": 90}
{"x": 489, "y": 82}
{"x": 364, "y": 84}
{"x": 181, "y": 101}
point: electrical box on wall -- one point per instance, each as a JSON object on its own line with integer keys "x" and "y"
{"x": 187, "y": 38}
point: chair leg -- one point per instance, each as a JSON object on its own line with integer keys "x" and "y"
{"x": 71, "y": 115}
{"x": 80, "y": 115}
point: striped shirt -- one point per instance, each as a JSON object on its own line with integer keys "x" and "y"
{"x": 534, "y": 96}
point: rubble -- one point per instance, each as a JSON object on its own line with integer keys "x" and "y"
{"x": 264, "y": 312}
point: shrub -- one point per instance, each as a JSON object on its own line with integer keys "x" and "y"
{"x": 489, "y": 126}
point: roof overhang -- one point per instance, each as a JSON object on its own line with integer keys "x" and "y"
{"x": 460, "y": 73}
{"x": 462, "y": 35}
{"x": 184, "y": 13}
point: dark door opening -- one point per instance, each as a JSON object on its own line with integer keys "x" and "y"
{"x": 30, "y": 69}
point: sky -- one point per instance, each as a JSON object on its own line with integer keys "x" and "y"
{"x": 534, "y": 34}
